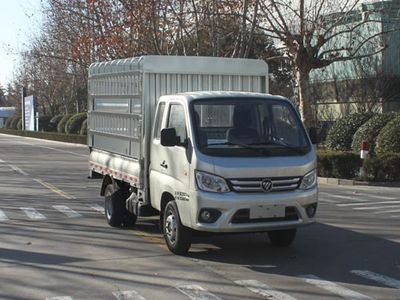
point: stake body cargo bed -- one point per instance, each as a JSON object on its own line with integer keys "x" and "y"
{"x": 123, "y": 95}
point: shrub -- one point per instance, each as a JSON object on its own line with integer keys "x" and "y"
{"x": 341, "y": 134}
{"x": 14, "y": 122}
{"x": 55, "y": 136}
{"x": 54, "y": 122}
{"x": 44, "y": 123}
{"x": 370, "y": 130}
{"x": 83, "y": 130}
{"x": 388, "y": 138}
{"x": 8, "y": 121}
{"x": 74, "y": 124}
{"x": 338, "y": 164}
{"x": 61, "y": 124}
{"x": 19, "y": 125}
{"x": 385, "y": 167}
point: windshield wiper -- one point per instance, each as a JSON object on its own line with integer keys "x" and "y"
{"x": 282, "y": 144}
{"x": 245, "y": 146}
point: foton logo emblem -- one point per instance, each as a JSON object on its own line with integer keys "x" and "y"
{"x": 266, "y": 185}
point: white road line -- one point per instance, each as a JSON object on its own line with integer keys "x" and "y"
{"x": 376, "y": 207}
{"x": 341, "y": 197}
{"x": 385, "y": 280}
{"x": 54, "y": 189}
{"x": 128, "y": 295}
{"x": 196, "y": 292}
{"x": 377, "y": 196}
{"x": 387, "y": 211}
{"x": 97, "y": 208}
{"x": 368, "y": 203}
{"x": 70, "y": 213}
{"x": 33, "y": 213}
{"x": 264, "y": 290}
{"x": 16, "y": 169}
{"x": 3, "y": 216}
{"x": 60, "y": 298}
{"x": 54, "y": 149}
{"x": 334, "y": 288}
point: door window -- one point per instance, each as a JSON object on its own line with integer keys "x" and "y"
{"x": 177, "y": 120}
{"x": 157, "y": 126}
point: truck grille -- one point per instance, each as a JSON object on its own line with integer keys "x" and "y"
{"x": 254, "y": 185}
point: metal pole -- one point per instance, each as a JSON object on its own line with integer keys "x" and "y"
{"x": 23, "y": 95}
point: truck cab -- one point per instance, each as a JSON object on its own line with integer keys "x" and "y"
{"x": 230, "y": 162}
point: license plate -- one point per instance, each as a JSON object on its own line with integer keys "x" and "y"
{"x": 267, "y": 211}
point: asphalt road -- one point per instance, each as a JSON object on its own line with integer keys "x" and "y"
{"x": 55, "y": 243}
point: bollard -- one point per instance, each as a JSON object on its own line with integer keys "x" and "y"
{"x": 363, "y": 155}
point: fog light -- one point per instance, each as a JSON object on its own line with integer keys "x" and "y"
{"x": 311, "y": 210}
{"x": 209, "y": 215}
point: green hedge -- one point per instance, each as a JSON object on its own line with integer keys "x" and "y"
{"x": 61, "y": 124}
{"x": 74, "y": 124}
{"x": 388, "y": 140}
{"x": 55, "y": 136}
{"x": 44, "y": 123}
{"x": 54, "y": 122}
{"x": 385, "y": 167}
{"x": 83, "y": 130}
{"x": 338, "y": 164}
{"x": 340, "y": 136}
{"x": 370, "y": 130}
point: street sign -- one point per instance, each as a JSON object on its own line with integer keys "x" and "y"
{"x": 29, "y": 113}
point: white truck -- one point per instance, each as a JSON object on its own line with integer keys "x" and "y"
{"x": 199, "y": 142}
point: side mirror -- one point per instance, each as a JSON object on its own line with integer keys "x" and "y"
{"x": 168, "y": 137}
{"x": 312, "y": 132}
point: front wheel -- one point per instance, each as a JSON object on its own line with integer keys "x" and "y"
{"x": 177, "y": 236}
{"x": 282, "y": 238}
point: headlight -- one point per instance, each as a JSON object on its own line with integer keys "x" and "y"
{"x": 211, "y": 183}
{"x": 309, "y": 180}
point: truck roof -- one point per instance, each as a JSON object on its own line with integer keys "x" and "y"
{"x": 180, "y": 65}
{"x": 190, "y": 96}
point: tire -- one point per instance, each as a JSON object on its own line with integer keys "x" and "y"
{"x": 177, "y": 237}
{"x": 282, "y": 238}
{"x": 114, "y": 208}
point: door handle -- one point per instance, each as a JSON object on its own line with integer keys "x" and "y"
{"x": 164, "y": 165}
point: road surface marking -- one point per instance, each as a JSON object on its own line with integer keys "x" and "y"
{"x": 376, "y": 196}
{"x": 60, "y": 298}
{"x": 387, "y": 211}
{"x": 54, "y": 189}
{"x": 33, "y": 213}
{"x": 376, "y": 207}
{"x": 196, "y": 292}
{"x": 16, "y": 169}
{"x": 385, "y": 280}
{"x": 97, "y": 208}
{"x": 368, "y": 203}
{"x": 264, "y": 290}
{"x": 3, "y": 216}
{"x": 70, "y": 213}
{"x": 340, "y": 197}
{"x": 334, "y": 288}
{"x": 55, "y": 149}
{"x": 128, "y": 295}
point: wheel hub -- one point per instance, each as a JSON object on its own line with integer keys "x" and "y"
{"x": 170, "y": 228}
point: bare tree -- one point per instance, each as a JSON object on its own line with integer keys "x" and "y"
{"x": 317, "y": 33}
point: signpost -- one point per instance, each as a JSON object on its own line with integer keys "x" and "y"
{"x": 29, "y": 111}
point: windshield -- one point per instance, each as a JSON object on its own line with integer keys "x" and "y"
{"x": 248, "y": 127}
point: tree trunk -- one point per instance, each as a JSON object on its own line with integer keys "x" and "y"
{"x": 305, "y": 102}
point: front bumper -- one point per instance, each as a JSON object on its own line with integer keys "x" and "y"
{"x": 230, "y": 204}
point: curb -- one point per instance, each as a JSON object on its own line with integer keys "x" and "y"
{"x": 339, "y": 181}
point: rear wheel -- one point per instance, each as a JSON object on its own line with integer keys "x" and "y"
{"x": 282, "y": 238}
{"x": 115, "y": 207}
{"x": 177, "y": 236}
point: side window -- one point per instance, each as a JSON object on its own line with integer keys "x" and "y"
{"x": 157, "y": 127}
{"x": 176, "y": 119}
